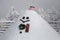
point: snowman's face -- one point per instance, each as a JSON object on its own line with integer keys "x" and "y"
{"x": 24, "y": 19}
{"x": 23, "y": 26}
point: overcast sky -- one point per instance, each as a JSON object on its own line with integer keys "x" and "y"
{"x": 23, "y": 4}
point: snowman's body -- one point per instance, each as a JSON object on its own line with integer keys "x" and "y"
{"x": 39, "y": 29}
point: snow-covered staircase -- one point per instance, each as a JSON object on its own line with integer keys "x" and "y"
{"x": 8, "y": 20}
{"x": 55, "y": 25}
{"x": 4, "y": 25}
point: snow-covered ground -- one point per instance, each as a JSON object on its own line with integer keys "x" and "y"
{"x": 39, "y": 29}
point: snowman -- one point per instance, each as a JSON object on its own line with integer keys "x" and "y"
{"x": 22, "y": 26}
{"x": 24, "y": 20}
{"x": 36, "y": 28}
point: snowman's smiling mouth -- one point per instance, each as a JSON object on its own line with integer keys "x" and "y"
{"x": 24, "y": 21}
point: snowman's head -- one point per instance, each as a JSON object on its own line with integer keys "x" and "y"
{"x": 24, "y": 19}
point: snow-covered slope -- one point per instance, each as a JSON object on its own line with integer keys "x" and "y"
{"x": 39, "y": 29}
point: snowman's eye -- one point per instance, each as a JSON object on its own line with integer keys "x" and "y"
{"x": 23, "y": 18}
{"x": 27, "y": 17}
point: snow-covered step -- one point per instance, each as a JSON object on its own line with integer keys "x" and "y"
{"x": 4, "y": 25}
{"x": 55, "y": 25}
{"x": 3, "y": 28}
{"x": 57, "y": 29}
{"x": 54, "y": 22}
{"x": 6, "y": 21}
{"x": 2, "y": 31}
